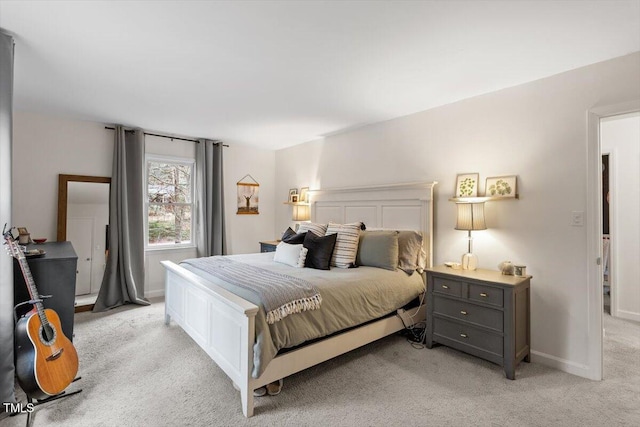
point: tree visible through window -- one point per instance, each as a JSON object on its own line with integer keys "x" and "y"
{"x": 169, "y": 201}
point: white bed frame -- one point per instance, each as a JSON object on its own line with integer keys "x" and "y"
{"x": 223, "y": 324}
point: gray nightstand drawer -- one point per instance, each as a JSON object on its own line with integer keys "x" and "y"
{"x": 467, "y": 335}
{"x": 447, "y": 287}
{"x": 472, "y": 313}
{"x": 480, "y": 312}
{"x": 486, "y": 294}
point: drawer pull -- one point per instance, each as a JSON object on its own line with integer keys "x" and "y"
{"x": 463, "y": 335}
{"x": 483, "y": 295}
{"x": 445, "y": 287}
{"x": 463, "y": 312}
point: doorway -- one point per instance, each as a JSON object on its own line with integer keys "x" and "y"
{"x": 595, "y": 272}
{"x": 620, "y": 145}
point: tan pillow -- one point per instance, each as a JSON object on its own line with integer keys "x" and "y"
{"x": 409, "y": 249}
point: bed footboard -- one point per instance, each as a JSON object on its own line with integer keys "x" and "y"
{"x": 222, "y": 324}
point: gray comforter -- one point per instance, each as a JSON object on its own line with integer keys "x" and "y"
{"x": 350, "y": 297}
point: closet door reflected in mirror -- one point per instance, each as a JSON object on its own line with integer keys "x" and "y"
{"x": 83, "y": 218}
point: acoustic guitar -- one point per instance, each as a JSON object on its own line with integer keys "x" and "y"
{"x": 46, "y": 361}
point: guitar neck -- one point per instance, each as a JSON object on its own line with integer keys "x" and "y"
{"x": 16, "y": 252}
{"x": 31, "y": 287}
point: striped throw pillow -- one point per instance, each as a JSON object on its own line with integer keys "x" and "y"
{"x": 315, "y": 228}
{"x": 346, "y": 249}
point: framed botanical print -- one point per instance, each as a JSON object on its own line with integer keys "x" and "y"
{"x": 501, "y": 186}
{"x": 467, "y": 185}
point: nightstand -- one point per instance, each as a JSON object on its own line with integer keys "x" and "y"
{"x": 269, "y": 245}
{"x": 481, "y": 312}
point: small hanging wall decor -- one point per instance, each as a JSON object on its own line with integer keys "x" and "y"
{"x": 248, "y": 196}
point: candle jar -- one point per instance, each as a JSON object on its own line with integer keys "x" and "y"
{"x": 24, "y": 238}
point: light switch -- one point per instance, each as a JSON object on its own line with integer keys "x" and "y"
{"x": 577, "y": 218}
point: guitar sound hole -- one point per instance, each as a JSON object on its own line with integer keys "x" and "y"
{"x": 47, "y": 334}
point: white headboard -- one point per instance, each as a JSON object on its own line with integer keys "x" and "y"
{"x": 395, "y": 206}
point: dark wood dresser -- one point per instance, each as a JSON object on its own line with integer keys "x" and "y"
{"x": 54, "y": 274}
{"x": 481, "y": 312}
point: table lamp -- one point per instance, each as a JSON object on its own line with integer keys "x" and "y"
{"x": 300, "y": 213}
{"x": 470, "y": 216}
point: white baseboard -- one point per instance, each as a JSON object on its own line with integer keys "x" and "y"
{"x": 561, "y": 364}
{"x": 628, "y": 315}
{"x": 154, "y": 293}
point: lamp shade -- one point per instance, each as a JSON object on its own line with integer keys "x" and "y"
{"x": 470, "y": 216}
{"x": 300, "y": 213}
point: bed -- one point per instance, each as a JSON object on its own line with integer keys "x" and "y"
{"x": 227, "y": 326}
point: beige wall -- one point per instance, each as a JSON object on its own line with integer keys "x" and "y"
{"x": 537, "y": 131}
{"x": 45, "y": 146}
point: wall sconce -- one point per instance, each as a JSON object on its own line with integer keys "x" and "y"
{"x": 470, "y": 217}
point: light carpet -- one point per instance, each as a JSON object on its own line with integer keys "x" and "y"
{"x": 138, "y": 372}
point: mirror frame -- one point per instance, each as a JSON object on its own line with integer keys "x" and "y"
{"x": 62, "y": 198}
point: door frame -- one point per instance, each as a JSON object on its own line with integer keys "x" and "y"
{"x": 594, "y": 232}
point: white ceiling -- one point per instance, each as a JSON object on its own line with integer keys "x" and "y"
{"x": 277, "y": 73}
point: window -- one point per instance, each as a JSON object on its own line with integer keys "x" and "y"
{"x": 170, "y": 206}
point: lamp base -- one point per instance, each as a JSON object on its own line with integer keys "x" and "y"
{"x": 469, "y": 261}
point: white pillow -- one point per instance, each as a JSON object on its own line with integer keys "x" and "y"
{"x": 293, "y": 255}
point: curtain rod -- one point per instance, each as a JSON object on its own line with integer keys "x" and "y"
{"x": 165, "y": 136}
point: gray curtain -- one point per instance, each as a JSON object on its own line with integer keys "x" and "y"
{"x": 123, "y": 280}
{"x": 210, "y": 232}
{"x": 7, "y": 393}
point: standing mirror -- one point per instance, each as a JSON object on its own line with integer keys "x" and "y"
{"x": 83, "y": 219}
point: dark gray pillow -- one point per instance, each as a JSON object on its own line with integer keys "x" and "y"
{"x": 292, "y": 238}
{"x": 319, "y": 249}
{"x": 378, "y": 249}
{"x": 288, "y": 233}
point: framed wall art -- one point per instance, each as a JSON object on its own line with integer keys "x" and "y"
{"x": 248, "y": 196}
{"x": 501, "y": 186}
{"x": 304, "y": 195}
{"x": 467, "y": 185}
{"x": 293, "y": 194}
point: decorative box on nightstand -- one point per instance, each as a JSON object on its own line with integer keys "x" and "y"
{"x": 481, "y": 312}
{"x": 269, "y": 245}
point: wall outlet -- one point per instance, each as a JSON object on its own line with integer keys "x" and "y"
{"x": 577, "y": 218}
